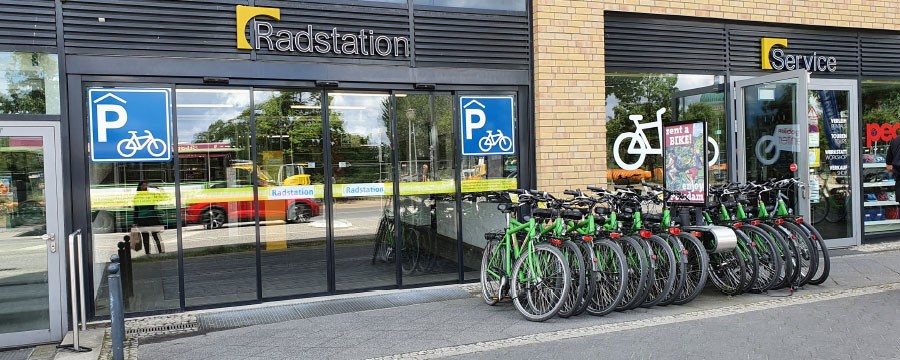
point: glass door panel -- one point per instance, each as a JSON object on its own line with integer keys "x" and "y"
{"x": 29, "y": 257}
{"x": 772, "y": 140}
{"x": 363, "y": 175}
{"x": 707, "y": 104}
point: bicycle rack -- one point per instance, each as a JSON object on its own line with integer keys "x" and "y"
{"x": 76, "y": 290}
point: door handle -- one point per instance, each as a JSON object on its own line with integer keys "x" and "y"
{"x": 50, "y": 238}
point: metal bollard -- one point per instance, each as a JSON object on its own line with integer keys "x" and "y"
{"x": 116, "y": 309}
{"x": 125, "y": 268}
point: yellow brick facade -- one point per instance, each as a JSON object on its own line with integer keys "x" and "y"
{"x": 569, "y": 73}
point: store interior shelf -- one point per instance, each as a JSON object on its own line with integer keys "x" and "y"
{"x": 873, "y": 165}
{"x": 883, "y": 222}
{"x": 879, "y": 184}
{"x": 880, "y": 203}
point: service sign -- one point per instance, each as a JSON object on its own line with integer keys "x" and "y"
{"x": 684, "y": 151}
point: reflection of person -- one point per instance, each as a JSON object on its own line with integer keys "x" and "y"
{"x": 892, "y": 160}
{"x": 146, "y": 217}
{"x": 424, "y": 176}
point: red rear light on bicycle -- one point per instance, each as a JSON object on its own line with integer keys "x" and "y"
{"x": 738, "y": 225}
{"x": 685, "y": 251}
{"x": 674, "y": 231}
{"x": 646, "y": 234}
{"x": 615, "y": 235}
{"x": 696, "y": 233}
{"x": 556, "y": 242}
{"x": 799, "y": 220}
{"x": 654, "y": 257}
{"x": 779, "y": 221}
{"x": 587, "y": 238}
{"x": 753, "y": 243}
{"x": 755, "y": 222}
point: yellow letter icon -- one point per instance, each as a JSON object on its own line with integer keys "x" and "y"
{"x": 767, "y": 44}
{"x": 244, "y": 14}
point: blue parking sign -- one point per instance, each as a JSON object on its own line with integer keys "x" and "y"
{"x": 487, "y": 125}
{"x": 130, "y": 124}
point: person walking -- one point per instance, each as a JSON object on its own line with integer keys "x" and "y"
{"x": 892, "y": 160}
{"x": 146, "y": 217}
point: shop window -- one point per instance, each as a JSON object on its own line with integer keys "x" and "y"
{"x": 513, "y": 5}
{"x": 645, "y": 95}
{"x": 29, "y": 83}
{"x": 881, "y": 121}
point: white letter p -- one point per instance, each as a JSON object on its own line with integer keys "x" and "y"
{"x": 103, "y": 125}
{"x": 470, "y": 113}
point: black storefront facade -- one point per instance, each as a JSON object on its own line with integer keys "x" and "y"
{"x": 315, "y": 150}
{"x": 749, "y": 82}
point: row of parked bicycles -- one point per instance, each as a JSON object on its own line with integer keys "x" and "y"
{"x": 602, "y": 251}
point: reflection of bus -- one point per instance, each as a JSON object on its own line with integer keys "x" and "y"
{"x": 216, "y": 188}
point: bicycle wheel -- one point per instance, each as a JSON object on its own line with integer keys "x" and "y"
{"x": 541, "y": 282}
{"x": 805, "y": 257}
{"x": 493, "y": 272}
{"x": 783, "y": 249}
{"x": 680, "y": 269}
{"x": 769, "y": 260}
{"x": 590, "y": 275}
{"x": 636, "y": 262}
{"x": 409, "y": 250}
{"x": 728, "y": 272}
{"x": 663, "y": 270}
{"x": 611, "y": 279}
{"x": 572, "y": 254}
{"x": 697, "y": 264}
{"x": 823, "y": 267}
{"x": 819, "y": 211}
{"x": 751, "y": 259}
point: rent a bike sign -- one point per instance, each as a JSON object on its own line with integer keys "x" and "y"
{"x": 130, "y": 124}
{"x": 487, "y": 125}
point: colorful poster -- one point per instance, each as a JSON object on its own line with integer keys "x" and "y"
{"x": 684, "y": 150}
{"x": 5, "y": 189}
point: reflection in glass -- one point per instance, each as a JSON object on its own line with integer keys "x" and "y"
{"x": 881, "y": 120}
{"x": 644, "y": 95}
{"x": 427, "y": 188}
{"x": 362, "y": 171}
{"x": 24, "y": 292}
{"x": 513, "y": 5}
{"x": 291, "y": 213}
{"x": 829, "y": 164}
{"x": 29, "y": 83}
{"x": 217, "y": 197}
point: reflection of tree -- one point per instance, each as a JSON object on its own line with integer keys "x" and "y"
{"x": 25, "y": 88}
{"x": 415, "y": 111}
{"x": 638, "y": 95}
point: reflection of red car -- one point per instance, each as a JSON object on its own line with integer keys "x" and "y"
{"x": 216, "y": 214}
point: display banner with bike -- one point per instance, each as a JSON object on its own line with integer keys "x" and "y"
{"x": 683, "y": 150}
{"x": 130, "y": 124}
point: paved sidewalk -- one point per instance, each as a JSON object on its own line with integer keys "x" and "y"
{"x": 414, "y": 328}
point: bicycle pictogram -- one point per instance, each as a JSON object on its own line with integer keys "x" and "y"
{"x": 128, "y": 147}
{"x": 490, "y": 140}
{"x": 640, "y": 144}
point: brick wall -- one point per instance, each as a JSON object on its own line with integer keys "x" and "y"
{"x": 569, "y": 74}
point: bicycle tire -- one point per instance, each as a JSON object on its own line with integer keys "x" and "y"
{"x": 590, "y": 276}
{"x": 680, "y": 270}
{"x": 663, "y": 270}
{"x": 823, "y": 267}
{"x": 611, "y": 277}
{"x": 492, "y": 272}
{"x": 751, "y": 260}
{"x": 572, "y": 254}
{"x": 409, "y": 250}
{"x": 728, "y": 272}
{"x": 818, "y": 212}
{"x": 784, "y": 250}
{"x": 539, "y": 301}
{"x": 769, "y": 260}
{"x": 805, "y": 259}
{"x": 697, "y": 265}
{"x": 636, "y": 260}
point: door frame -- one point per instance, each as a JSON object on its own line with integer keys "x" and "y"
{"x": 56, "y": 264}
{"x": 800, "y": 108}
{"x": 851, "y": 85}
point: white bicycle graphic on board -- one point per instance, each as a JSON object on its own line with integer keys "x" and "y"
{"x": 129, "y": 147}
{"x": 490, "y": 140}
{"x": 640, "y": 144}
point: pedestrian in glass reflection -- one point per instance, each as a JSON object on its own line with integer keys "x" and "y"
{"x": 146, "y": 217}
{"x": 892, "y": 159}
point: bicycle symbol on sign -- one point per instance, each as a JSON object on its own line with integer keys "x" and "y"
{"x": 129, "y": 147}
{"x": 640, "y": 144}
{"x": 488, "y": 142}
